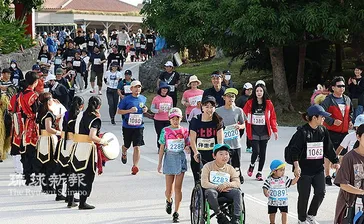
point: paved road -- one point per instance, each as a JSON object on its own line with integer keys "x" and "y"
{"x": 120, "y": 197}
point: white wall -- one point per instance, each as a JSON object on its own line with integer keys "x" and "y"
{"x": 52, "y": 17}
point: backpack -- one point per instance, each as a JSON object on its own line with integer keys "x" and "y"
{"x": 287, "y": 150}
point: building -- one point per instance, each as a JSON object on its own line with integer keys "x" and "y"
{"x": 86, "y": 14}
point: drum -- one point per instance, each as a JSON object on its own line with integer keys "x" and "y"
{"x": 110, "y": 151}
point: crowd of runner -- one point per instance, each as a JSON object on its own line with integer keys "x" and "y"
{"x": 52, "y": 135}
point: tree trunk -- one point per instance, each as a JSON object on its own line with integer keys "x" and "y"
{"x": 301, "y": 68}
{"x": 280, "y": 86}
{"x": 338, "y": 67}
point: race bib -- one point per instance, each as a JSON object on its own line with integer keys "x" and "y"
{"x": 175, "y": 145}
{"x": 91, "y": 43}
{"x": 315, "y": 150}
{"x": 171, "y": 88}
{"x": 219, "y": 177}
{"x": 165, "y": 107}
{"x": 76, "y": 63}
{"x": 135, "y": 119}
{"x": 58, "y": 61}
{"x": 230, "y": 132}
{"x": 193, "y": 100}
{"x": 44, "y": 60}
{"x": 150, "y": 40}
{"x": 137, "y": 45}
{"x": 127, "y": 89}
{"x": 258, "y": 119}
{"x": 97, "y": 61}
{"x": 142, "y": 46}
{"x": 132, "y": 53}
{"x": 205, "y": 143}
{"x": 278, "y": 194}
{"x": 69, "y": 58}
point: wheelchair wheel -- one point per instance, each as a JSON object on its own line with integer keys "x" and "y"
{"x": 243, "y": 212}
{"x": 197, "y": 206}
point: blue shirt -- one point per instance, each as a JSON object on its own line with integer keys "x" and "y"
{"x": 127, "y": 103}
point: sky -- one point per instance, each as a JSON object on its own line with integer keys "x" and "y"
{"x": 133, "y": 2}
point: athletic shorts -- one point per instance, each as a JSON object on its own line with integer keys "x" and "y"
{"x": 99, "y": 76}
{"x": 274, "y": 209}
{"x": 133, "y": 135}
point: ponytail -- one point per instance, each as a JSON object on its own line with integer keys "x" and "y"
{"x": 93, "y": 103}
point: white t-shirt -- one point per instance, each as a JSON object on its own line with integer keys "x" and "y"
{"x": 349, "y": 141}
{"x": 112, "y": 79}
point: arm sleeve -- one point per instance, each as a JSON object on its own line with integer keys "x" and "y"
{"x": 345, "y": 142}
{"x": 96, "y": 124}
{"x": 345, "y": 172}
{"x": 153, "y": 108}
{"x": 122, "y": 105}
{"x": 162, "y": 138}
{"x": 326, "y": 104}
{"x": 329, "y": 151}
{"x": 241, "y": 117}
{"x": 273, "y": 120}
{"x": 297, "y": 145}
{"x": 266, "y": 184}
{"x": 193, "y": 125}
{"x": 288, "y": 182}
{"x": 234, "y": 178}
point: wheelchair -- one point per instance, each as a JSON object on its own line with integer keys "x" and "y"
{"x": 200, "y": 209}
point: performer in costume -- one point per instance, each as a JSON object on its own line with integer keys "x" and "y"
{"x": 47, "y": 141}
{"x": 29, "y": 104}
{"x": 17, "y": 147}
{"x": 64, "y": 148}
{"x": 4, "y": 138}
{"x": 84, "y": 153}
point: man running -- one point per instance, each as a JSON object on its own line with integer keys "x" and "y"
{"x": 132, "y": 108}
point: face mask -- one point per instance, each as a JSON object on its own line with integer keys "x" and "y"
{"x": 13, "y": 65}
{"x": 228, "y": 77}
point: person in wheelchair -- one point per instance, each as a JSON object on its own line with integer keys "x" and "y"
{"x": 220, "y": 179}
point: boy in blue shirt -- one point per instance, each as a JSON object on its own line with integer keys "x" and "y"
{"x": 132, "y": 107}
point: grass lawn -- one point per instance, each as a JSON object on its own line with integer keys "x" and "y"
{"x": 204, "y": 69}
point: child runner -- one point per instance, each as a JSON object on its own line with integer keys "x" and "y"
{"x": 234, "y": 120}
{"x": 132, "y": 108}
{"x": 275, "y": 189}
{"x": 195, "y": 111}
{"x": 218, "y": 178}
{"x": 173, "y": 140}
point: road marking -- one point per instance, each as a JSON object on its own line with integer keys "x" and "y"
{"x": 247, "y": 196}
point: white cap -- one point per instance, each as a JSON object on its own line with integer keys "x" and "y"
{"x": 50, "y": 77}
{"x": 136, "y": 83}
{"x": 359, "y": 120}
{"x": 169, "y": 64}
{"x": 248, "y": 85}
{"x": 260, "y": 82}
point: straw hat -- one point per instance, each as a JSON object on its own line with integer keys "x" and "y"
{"x": 193, "y": 79}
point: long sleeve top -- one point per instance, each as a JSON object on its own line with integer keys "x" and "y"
{"x": 211, "y": 166}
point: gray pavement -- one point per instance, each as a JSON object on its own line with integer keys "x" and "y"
{"x": 120, "y": 197}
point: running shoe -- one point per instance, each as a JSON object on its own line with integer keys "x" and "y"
{"x": 169, "y": 206}
{"x": 124, "y": 158}
{"x": 249, "y": 150}
{"x": 175, "y": 217}
{"x": 113, "y": 121}
{"x": 303, "y": 222}
{"x": 135, "y": 170}
{"x": 328, "y": 181}
{"x": 100, "y": 93}
{"x": 250, "y": 170}
{"x": 221, "y": 219}
{"x": 92, "y": 91}
{"x": 311, "y": 219}
{"x": 259, "y": 177}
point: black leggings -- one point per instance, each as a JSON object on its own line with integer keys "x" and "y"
{"x": 113, "y": 101}
{"x": 259, "y": 148}
{"x": 304, "y": 190}
{"x": 206, "y": 157}
{"x": 158, "y": 126}
{"x": 85, "y": 79}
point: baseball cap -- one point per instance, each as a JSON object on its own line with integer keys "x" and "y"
{"x": 210, "y": 99}
{"x": 36, "y": 67}
{"x": 50, "y": 77}
{"x": 59, "y": 71}
{"x": 226, "y": 72}
{"x": 136, "y": 83}
{"x": 169, "y": 64}
{"x": 316, "y": 109}
{"x": 231, "y": 90}
{"x": 248, "y": 85}
{"x": 275, "y": 165}
{"x": 220, "y": 147}
{"x": 6, "y": 70}
{"x": 359, "y": 120}
{"x": 260, "y": 82}
{"x": 114, "y": 64}
{"x": 214, "y": 74}
{"x": 128, "y": 72}
{"x": 175, "y": 111}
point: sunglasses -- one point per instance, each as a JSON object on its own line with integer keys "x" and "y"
{"x": 340, "y": 86}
